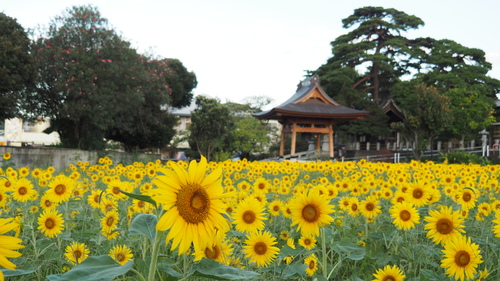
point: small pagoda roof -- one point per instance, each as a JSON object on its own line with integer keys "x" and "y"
{"x": 391, "y": 109}
{"x": 311, "y": 101}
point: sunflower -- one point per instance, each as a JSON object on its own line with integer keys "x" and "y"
{"x": 496, "y": 226}
{"x": 51, "y": 223}
{"x": 94, "y": 198}
{"x": 109, "y": 221}
{"x": 194, "y": 211}
{"x": 389, "y": 273}
{"x": 418, "y": 194}
{"x": 262, "y": 184}
{"x": 310, "y": 212}
{"x": 6, "y": 156}
{"x": 467, "y": 198}
{"x": 275, "y": 207}
{"x": 219, "y": 252}
{"x": 404, "y": 215}
{"x": 121, "y": 254}
{"x": 61, "y": 188}
{"x": 23, "y": 190}
{"x": 308, "y": 242}
{"x": 259, "y": 248}
{"x": 8, "y": 245}
{"x": 4, "y": 197}
{"x": 75, "y": 253}
{"x": 249, "y": 216}
{"x": 444, "y": 224}
{"x": 461, "y": 257}
{"x": 353, "y": 209}
{"x": 370, "y": 207}
{"x": 312, "y": 264}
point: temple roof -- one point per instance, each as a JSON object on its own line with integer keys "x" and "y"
{"x": 311, "y": 101}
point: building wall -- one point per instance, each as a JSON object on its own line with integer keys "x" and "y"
{"x": 60, "y": 158}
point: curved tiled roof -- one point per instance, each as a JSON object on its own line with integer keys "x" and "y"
{"x": 311, "y": 101}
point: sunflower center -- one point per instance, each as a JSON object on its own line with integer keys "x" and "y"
{"x": 116, "y": 190}
{"x": 110, "y": 221}
{"x": 248, "y": 217}
{"x": 310, "y": 213}
{"x": 77, "y": 254}
{"x": 389, "y": 278}
{"x": 120, "y": 257}
{"x": 312, "y": 264}
{"x": 404, "y": 215}
{"x": 467, "y": 196}
{"x": 22, "y": 190}
{"x": 260, "y": 248}
{"x": 462, "y": 258}
{"x": 47, "y": 203}
{"x": 141, "y": 204}
{"x": 276, "y": 208}
{"x": 418, "y": 193}
{"x": 212, "y": 253}
{"x": 370, "y": 206}
{"x": 50, "y": 223}
{"x": 444, "y": 226}
{"x": 193, "y": 203}
{"x": 354, "y": 207}
{"x": 7, "y": 184}
{"x": 261, "y": 186}
{"x": 60, "y": 189}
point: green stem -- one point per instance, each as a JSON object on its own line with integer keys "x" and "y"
{"x": 154, "y": 256}
{"x": 138, "y": 274}
{"x": 323, "y": 249}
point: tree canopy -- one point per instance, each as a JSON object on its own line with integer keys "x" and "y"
{"x": 95, "y": 87}
{"x": 16, "y": 66}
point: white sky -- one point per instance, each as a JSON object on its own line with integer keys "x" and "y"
{"x": 247, "y": 48}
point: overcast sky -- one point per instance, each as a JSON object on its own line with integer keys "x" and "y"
{"x": 246, "y": 48}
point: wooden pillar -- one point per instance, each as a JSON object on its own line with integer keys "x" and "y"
{"x": 282, "y": 143}
{"x": 330, "y": 141}
{"x": 318, "y": 144}
{"x": 294, "y": 139}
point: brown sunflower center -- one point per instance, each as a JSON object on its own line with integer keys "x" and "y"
{"x": 276, "y": 208}
{"x": 7, "y": 184}
{"x": 444, "y": 226}
{"x": 120, "y": 257}
{"x": 418, "y": 193}
{"x": 248, "y": 217}
{"x": 50, "y": 223}
{"x": 212, "y": 253}
{"x": 462, "y": 258}
{"x": 400, "y": 199}
{"x": 77, "y": 254}
{"x": 354, "y": 207}
{"x": 467, "y": 196}
{"x": 307, "y": 241}
{"x": 405, "y": 215}
{"x": 389, "y": 278}
{"x": 310, "y": 213}
{"x": 312, "y": 264}
{"x": 60, "y": 189}
{"x": 260, "y": 248}
{"x": 141, "y": 204}
{"x": 22, "y": 190}
{"x": 116, "y": 190}
{"x": 261, "y": 186}
{"x": 193, "y": 203}
{"x": 47, "y": 203}
{"x": 370, "y": 206}
{"x": 110, "y": 221}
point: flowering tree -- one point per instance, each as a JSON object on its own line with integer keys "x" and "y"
{"x": 16, "y": 65}
{"x": 94, "y": 86}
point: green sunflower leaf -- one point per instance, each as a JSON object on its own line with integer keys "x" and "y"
{"x": 96, "y": 268}
{"x": 141, "y": 197}
{"x": 144, "y": 224}
{"x": 207, "y": 268}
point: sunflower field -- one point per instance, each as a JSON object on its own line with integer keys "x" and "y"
{"x": 244, "y": 220}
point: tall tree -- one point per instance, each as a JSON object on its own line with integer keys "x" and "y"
{"x": 93, "y": 85}
{"x": 447, "y": 64}
{"x": 211, "y": 127}
{"x": 16, "y": 66}
{"x": 374, "y": 46}
{"x": 427, "y": 113}
{"x": 471, "y": 111}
